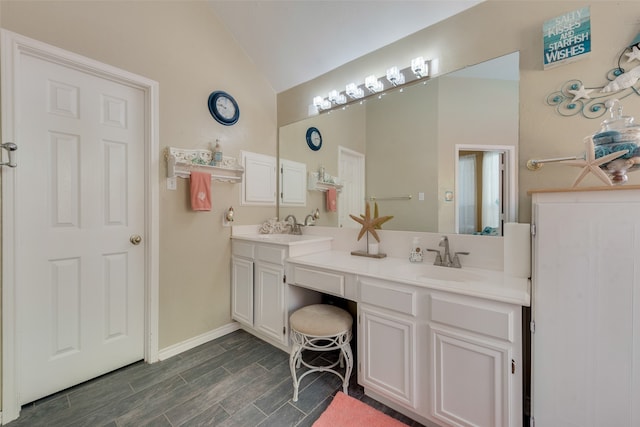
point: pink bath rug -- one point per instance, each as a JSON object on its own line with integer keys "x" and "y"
{"x": 345, "y": 411}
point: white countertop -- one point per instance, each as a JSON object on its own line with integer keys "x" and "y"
{"x": 282, "y": 239}
{"x": 489, "y": 284}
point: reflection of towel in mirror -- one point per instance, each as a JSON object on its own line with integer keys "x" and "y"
{"x": 200, "y": 191}
{"x": 331, "y": 200}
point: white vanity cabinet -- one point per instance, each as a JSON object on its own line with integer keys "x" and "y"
{"x": 586, "y": 307}
{"x": 270, "y": 316}
{"x": 261, "y": 300}
{"x": 388, "y": 343}
{"x": 242, "y": 282}
{"x": 258, "y": 288}
{"x": 440, "y": 352}
{"x": 475, "y": 361}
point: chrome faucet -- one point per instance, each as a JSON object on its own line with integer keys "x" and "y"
{"x": 312, "y": 216}
{"x": 446, "y": 257}
{"x": 306, "y": 220}
{"x": 295, "y": 227}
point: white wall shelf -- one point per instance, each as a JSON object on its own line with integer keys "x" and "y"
{"x": 180, "y": 163}
{"x": 318, "y": 185}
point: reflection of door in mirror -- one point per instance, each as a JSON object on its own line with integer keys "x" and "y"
{"x": 351, "y": 198}
{"x": 482, "y": 192}
{"x": 479, "y": 201}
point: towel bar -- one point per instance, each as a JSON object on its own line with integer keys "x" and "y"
{"x": 407, "y": 197}
{"x": 534, "y": 165}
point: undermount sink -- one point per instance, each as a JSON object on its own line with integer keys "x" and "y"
{"x": 286, "y": 238}
{"x": 450, "y": 275}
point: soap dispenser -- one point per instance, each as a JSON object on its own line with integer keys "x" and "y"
{"x": 416, "y": 252}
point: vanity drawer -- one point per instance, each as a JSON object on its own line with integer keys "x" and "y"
{"x": 243, "y": 249}
{"x": 388, "y": 295}
{"x": 482, "y": 317}
{"x": 270, "y": 254}
{"x": 323, "y": 281}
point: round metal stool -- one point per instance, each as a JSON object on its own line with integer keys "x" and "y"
{"x": 320, "y": 327}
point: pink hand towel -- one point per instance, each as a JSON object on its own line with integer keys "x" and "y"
{"x": 331, "y": 200}
{"x": 200, "y": 191}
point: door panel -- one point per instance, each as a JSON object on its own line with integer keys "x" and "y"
{"x": 80, "y": 196}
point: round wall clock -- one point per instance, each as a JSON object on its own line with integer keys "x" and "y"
{"x": 314, "y": 139}
{"x": 223, "y": 108}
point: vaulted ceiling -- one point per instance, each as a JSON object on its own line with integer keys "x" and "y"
{"x": 294, "y": 41}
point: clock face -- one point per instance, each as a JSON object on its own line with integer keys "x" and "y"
{"x": 223, "y": 108}
{"x": 314, "y": 138}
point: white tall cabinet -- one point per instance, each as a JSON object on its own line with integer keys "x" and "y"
{"x": 586, "y": 308}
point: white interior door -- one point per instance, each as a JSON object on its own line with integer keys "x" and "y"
{"x": 351, "y": 198}
{"x": 80, "y": 198}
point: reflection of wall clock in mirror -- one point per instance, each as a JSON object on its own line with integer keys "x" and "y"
{"x": 223, "y": 108}
{"x": 314, "y": 139}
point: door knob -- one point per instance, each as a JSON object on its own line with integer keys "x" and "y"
{"x": 135, "y": 239}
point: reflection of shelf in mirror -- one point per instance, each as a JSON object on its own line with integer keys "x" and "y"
{"x": 317, "y": 185}
{"x": 180, "y": 163}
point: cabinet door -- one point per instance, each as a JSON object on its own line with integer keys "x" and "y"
{"x": 269, "y": 301}
{"x": 469, "y": 379}
{"x": 387, "y": 354}
{"x": 293, "y": 183}
{"x": 259, "y": 184}
{"x": 242, "y": 290}
{"x": 586, "y": 309}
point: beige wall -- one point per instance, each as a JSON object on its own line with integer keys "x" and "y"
{"x": 342, "y": 129}
{"x": 490, "y": 119}
{"x": 404, "y": 123}
{"x": 183, "y": 46}
{"x": 492, "y": 29}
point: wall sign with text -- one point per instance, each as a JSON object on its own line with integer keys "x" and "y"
{"x": 567, "y": 37}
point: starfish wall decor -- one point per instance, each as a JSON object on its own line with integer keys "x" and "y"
{"x": 591, "y": 164}
{"x": 369, "y": 224}
{"x": 575, "y": 98}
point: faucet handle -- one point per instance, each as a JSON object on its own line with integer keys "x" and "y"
{"x": 438, "y": 260}
{"x": 456, "y": 260}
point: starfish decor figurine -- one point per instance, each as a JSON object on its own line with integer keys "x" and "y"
{"x": 370, "y": 224}
{"x": 592, "y": 165}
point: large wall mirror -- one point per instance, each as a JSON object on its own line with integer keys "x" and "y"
{"x": 403, "y": 152}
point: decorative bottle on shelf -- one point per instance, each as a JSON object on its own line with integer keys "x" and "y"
{"x": 217, "y": 154}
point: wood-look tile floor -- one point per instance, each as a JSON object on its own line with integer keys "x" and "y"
{"x": 235, "y": 380}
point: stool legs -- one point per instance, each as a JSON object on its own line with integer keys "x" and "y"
{"x": 301, "y": 342}
{"x": 345, "y": 354}
{"x": 294, "y": 363}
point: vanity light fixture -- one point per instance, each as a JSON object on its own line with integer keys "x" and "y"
{"x": 373, "y": 84}
{"x": 394, "y": 76}
{"x": 337, "y": 97}
{"x": 419, "y": 67}
{"x": 434, "y": 66}
{"x": 321, "y": 104}
{"x": 354, "y": 91}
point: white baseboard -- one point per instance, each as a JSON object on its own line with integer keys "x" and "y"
{"x": 183, "y": 346}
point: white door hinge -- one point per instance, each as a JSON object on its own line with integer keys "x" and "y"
{"x": 533, "y": 230}
{"x": 532, "y": 326}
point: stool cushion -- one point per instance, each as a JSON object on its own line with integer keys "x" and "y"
{"x": 321, "y": 320}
